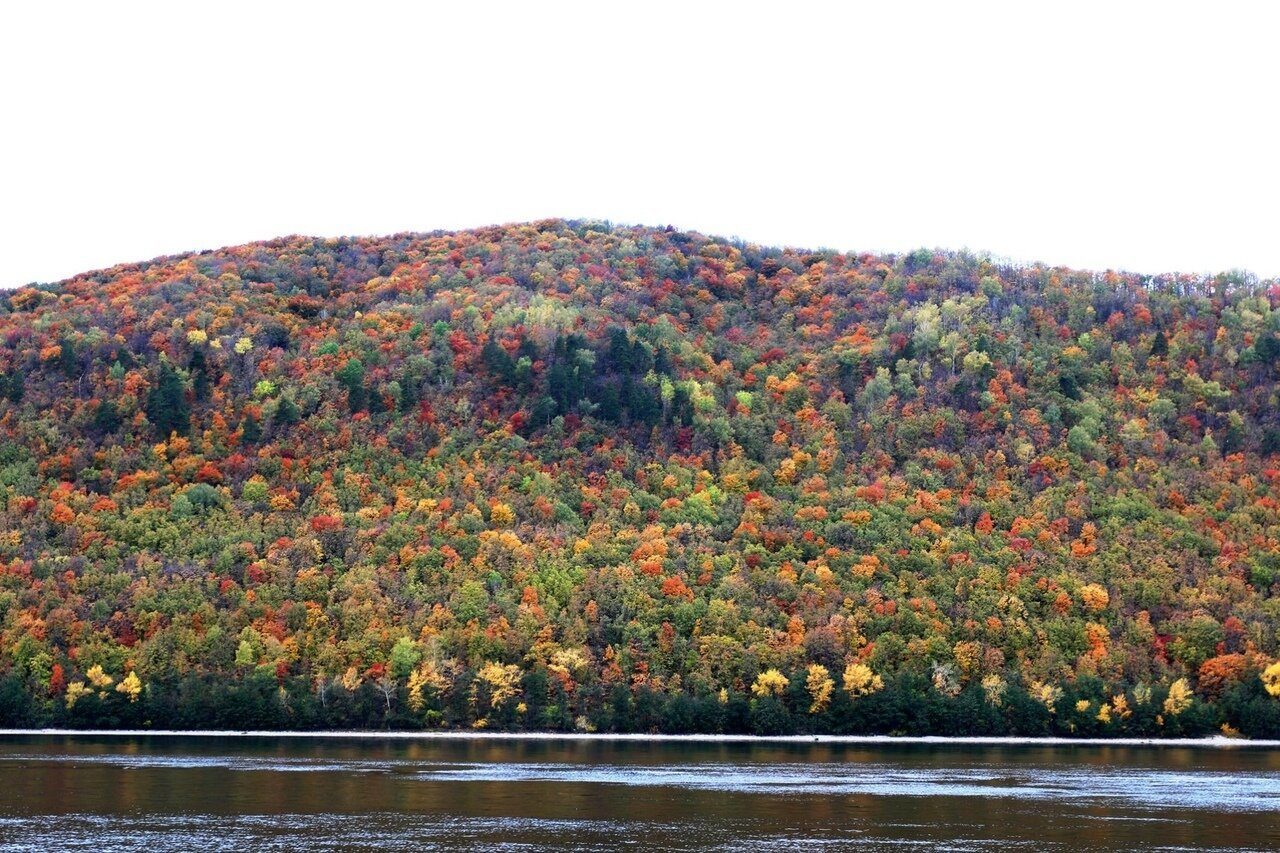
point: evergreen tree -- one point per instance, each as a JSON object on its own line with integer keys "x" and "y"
{"x": 1160, "y": 344}
{"x": 351, "y": 377}
{"x": 13, "y": 386}
{"x": 167, "y": 407}
{"x": 198, "y": 369}
{"x": 287, "y": 412}
{"x": 106, "y": 419}
{"x": 498, "y": 362}
{"x": 250, "y": 429}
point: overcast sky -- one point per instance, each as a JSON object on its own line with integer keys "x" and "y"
{"x": 1124, "y": 135}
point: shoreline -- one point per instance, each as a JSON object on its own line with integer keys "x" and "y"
{"x": 1213, "y": 742}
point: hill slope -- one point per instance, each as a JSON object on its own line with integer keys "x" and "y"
{"x": 570, "y": 475}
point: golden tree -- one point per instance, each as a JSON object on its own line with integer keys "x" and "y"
{"x": 819, "y": 685}
{"x": 130, "y": 686}
{"x": 1179, "y": 698}
{"x": 770, "y": 683}
{"x": 1271, "y": 679}
{"x": 502, "y": 681}
{"x": 859, "y": 680}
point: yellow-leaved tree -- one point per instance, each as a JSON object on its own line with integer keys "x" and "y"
{"x": 1046, "y": 694}
{"x": 75, "y": 692}
{"x": 770, "y": 683}
{"x": 859, "y": 680}
{"x": 994, "y": 687}
{"x": 819, "y": 684}
{"x": 130, "y": 686}
{"x": 1179, "y": 698}
{"x": 98, "y": 678}
{"x": 502, "y": 681}
{"x": 1271, "y": 679}
{"x": 426, "y": 676}
{"x": 1095, "y": 597}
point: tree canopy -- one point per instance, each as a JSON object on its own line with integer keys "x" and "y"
{"x": 569, "y": 475}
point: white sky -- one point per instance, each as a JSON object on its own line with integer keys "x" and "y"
{"x": 1128, "y": 135}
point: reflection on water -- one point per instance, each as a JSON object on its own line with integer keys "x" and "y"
{"x": 262, "y": 793}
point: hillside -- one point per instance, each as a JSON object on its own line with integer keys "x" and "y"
{"x": 568, "y": 475}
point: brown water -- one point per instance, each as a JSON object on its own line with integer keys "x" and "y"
{"x": 178, "y": 793}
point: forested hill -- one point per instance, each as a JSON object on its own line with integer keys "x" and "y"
{"x": 567, "y": 475}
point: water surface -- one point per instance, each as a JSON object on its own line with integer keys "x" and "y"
{"x": 263, "y": 793}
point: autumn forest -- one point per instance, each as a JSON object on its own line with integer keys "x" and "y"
{"x": 570, "y": 476}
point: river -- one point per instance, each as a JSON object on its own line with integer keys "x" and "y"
{"x": 139, "y": 792}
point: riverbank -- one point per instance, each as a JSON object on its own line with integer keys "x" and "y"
{"x": 1216, "y": 742}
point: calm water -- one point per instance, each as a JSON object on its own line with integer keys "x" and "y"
{"x": 140, "y": 793}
